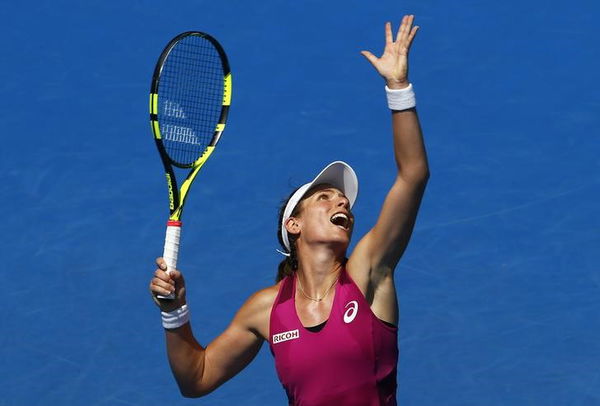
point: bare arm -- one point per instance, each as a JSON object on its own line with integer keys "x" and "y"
{"x": 199, "y": 370}
{"x": 377, "y": 254}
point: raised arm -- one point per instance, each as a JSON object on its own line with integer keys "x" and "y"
{"x": 199, "y": 370}
{"x": 377, "y": 254}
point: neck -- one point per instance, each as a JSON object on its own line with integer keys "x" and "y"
{"x": 318, "y": 269}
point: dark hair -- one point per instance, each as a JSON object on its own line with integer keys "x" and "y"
{"x": 289, "y": 265}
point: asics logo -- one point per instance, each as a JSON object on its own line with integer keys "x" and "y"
{"x": 351, "y": 311}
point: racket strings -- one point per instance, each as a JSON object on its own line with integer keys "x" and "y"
{"x": 190, "y": 98}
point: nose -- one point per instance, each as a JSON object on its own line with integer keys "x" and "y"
{"x": 343, "y": 202}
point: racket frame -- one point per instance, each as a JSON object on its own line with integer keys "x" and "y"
{"x": 177, "y": 196}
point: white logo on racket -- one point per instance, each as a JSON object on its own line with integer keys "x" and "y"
{"x": 351, "y": 312}
{"x": 179, "y": 134}
{"x": 174, "y": 109}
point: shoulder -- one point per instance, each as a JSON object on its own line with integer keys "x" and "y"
{"x": 262, "y": 299}
{"x": 256, "y": 311}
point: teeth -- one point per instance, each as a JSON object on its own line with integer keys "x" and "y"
{"x": 340, "y": 219}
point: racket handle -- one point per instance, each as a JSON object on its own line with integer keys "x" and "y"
{"x": 171, "y": 250}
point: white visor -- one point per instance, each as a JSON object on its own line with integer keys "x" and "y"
{"x": 337, "y": 174}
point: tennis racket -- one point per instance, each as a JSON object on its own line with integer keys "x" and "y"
{"x": 190, "y": 97}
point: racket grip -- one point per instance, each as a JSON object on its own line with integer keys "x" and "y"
{"x": 171, "y": 250}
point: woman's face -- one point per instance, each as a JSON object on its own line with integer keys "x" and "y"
{"x": 324, "y": 216}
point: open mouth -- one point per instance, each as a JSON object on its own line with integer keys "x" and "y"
{"x": 341, "y": 220}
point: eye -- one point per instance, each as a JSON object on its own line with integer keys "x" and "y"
{"x": 323, "y": 196}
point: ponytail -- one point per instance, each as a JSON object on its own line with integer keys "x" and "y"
{"x": 289, "y": 265}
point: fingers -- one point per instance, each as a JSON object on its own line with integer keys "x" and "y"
{"x": 370, "y": 57}
{"x": 167, "y": 276}
{"x": 405, "y": 27}
{"x": 413, "y": 32}
{"x": 161, "y": 263}
{"x": 406, "y": 32}
{"x": 388, "y": 33}
{"x": 162, "y": 283}
{"x": 165, "y": 282}
{"x": 163, "y": 287}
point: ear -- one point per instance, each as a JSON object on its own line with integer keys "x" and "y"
{"x": 292, "y": 225}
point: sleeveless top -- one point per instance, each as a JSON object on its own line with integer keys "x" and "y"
{"x": 351, "y": 361}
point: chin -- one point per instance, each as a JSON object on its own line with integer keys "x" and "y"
{"x": 345, "y": 241}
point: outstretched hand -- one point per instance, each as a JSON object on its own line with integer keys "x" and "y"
{"x": 393, "y": 64}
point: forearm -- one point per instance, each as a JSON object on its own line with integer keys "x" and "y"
{"x": 409, "y": 148}
{"x": 186, "y": 358}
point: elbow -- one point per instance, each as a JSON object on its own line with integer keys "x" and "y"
{"x": 190, "y": 392}
{"x": 190, "y": 395}
{"x": 417, "y": 175}
{"x": 193, "y": 391}
{"x": 423, "y": 175}
{"x": 426, "y": 177}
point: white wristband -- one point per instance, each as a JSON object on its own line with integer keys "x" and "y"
{"x": 176, "y": 318}
{"x": 401, "y": 99}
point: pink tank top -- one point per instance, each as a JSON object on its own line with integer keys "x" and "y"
{"x": 351, "y": 361}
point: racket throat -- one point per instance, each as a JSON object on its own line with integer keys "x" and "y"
{"x": 173, "y": 195}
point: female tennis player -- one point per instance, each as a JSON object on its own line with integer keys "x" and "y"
{"x": 330, "y": 320}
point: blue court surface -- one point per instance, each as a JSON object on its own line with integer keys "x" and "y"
{"x": 499, "y": 289}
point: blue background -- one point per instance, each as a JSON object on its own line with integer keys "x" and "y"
{"x": 499, "y": 289}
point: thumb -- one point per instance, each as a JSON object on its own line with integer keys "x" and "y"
{"x": 370, "y": 57}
